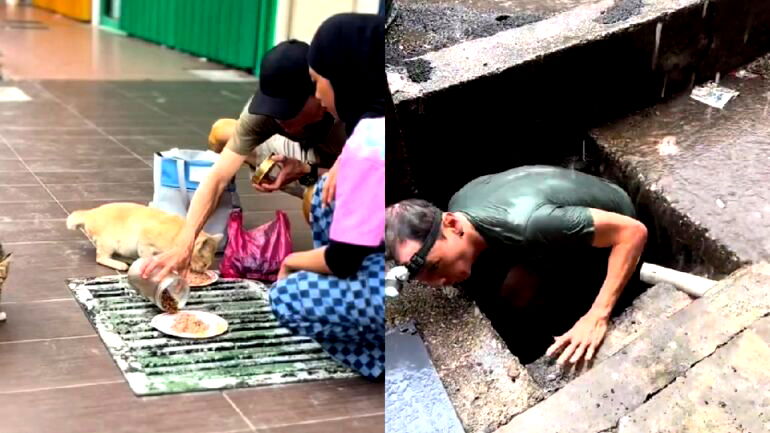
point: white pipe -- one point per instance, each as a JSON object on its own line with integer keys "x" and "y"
{"x": 693, "y": 285}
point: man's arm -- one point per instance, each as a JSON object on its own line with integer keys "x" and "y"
{"x": 627, "y": 237}
{"x": 204, "y": 202}
{"x": 206, "y": 198}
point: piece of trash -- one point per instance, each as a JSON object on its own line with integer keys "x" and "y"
{"x": 667, "y": 146}
{"x": 721, "y": 204}
{"x": 713, "y": 95}
{"x": 742, "y": 73}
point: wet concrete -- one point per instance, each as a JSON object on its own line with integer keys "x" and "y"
{"x": 659, "y": 359}
{"x": 486, "y": 384}
{"x": 558, "y": 77}
{"x": 620, "y": 11}
{"x": 415, "y": 399}
{"x": 649, "y": 310}
{"x": 702, "y": 171}
{"x": 417, "y": 27}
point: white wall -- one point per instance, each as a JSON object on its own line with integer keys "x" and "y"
{"x": 299, "y": 19}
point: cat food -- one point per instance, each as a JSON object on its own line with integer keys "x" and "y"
{"x": 169, "y": 295}
{"x": 168, "y": 303}
{"x": 186, "y": 323}
{"x": 190, "y": 324}
{"x": 198, "y": 279}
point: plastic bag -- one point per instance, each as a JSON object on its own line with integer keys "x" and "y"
{"x": 256, "y": 254}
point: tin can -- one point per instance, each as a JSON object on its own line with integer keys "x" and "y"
{"x": 266, "y": 172}
{"x": 170, "y": 294}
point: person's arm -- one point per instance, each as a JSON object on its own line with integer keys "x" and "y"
{"x": 626, "y": 237}
{"x": 313, "y": 261}
{"x": 203, "y": 204}
{"x": 292, "y": 169}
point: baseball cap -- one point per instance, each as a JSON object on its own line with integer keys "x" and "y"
{"x": 284, "y": 81}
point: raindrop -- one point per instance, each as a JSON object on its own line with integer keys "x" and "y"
{"x": 748, "y": 28}
{"x": 692, "y": 80}
{"x": 663, "y": 90}
{"x": 716, "y": 79}
{"x": 705, "y": 7}
{"x": 658, "y": 29}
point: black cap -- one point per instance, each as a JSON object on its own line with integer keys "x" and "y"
{"x": 284, "y": 81}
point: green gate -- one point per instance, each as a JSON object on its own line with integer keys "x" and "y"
{"x": 233, "y": 32}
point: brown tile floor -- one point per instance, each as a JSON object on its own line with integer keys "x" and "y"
{"x": 67, "y": 49}
{"x": 80, "y": 144}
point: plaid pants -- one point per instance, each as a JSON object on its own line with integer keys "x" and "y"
{"x": 345, "y": 316}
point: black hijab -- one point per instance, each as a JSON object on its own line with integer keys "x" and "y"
{"x": 349, "y": 51}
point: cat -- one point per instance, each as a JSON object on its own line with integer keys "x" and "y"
{"x": 5, "y": 264}
{"x": 132, "y": 231}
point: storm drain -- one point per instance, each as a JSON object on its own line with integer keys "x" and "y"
{"x": 256, "y": 350}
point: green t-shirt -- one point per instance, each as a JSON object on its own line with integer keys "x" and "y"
{"x": 536, "y": 211}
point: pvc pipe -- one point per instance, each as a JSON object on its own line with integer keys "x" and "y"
{"x": 691, "y": 284}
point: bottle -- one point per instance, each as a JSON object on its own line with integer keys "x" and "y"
{"x": 170, "y": 294}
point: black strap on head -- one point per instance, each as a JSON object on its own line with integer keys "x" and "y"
{"x": 418, "y": 259}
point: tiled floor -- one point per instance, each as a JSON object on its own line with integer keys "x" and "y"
{"x": 79, "y": 144}
{"x": 61, "y": 48}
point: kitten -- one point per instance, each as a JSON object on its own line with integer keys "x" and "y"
{"x": 132, "y": 230}
{"x": 5, "y": 264}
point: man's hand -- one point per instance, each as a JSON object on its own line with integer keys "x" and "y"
{"x": 584, "y": 339}
{"x": 330, "y": 186}
{"x": 291, "y": 170}
{"x": 176, "y": 260}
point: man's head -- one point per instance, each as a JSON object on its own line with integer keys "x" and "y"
{"x": 285, "y": 91}
{"x": 409, "y": 224}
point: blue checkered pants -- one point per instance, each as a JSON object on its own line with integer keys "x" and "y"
{"x": 345, "y": 316}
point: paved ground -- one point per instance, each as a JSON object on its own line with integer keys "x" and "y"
{"x": 67, "y": 49}
{"x": 80, "y": 143}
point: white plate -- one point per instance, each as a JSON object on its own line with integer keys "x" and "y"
{"x": 213, "y": 277}
{"x": 164, "y": 323}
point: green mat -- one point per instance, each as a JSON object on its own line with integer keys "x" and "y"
{"x": 256, "y": 350}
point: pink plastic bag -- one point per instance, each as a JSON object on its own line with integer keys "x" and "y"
{"x": 255, "y": 254}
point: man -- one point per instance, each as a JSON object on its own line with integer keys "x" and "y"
{"x": 284, "y": 106}
{"x": 283, "y": 119}
{"x": 531, "y": 235}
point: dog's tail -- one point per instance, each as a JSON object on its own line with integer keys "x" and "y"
{"x": 77, "y": 219}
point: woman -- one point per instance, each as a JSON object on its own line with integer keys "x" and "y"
{"x": 334, "y": 293}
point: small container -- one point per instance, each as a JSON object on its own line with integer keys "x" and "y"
{"x": 266, "y": 172}
{"x": 174, "y": 285}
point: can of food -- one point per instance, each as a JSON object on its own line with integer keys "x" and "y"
{"x": 266, "y": 172}
{"x": 170, "y": 294}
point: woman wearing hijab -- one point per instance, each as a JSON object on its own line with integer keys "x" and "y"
{"x": 334, "y": 293}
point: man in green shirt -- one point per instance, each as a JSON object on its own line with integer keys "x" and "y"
{"x": 530, "y": 235}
